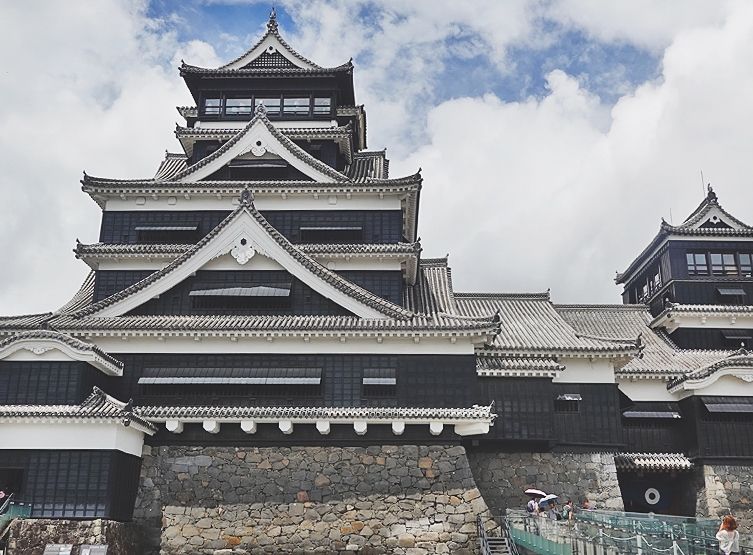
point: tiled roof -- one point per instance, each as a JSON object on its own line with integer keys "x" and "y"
{"x": 112, "y": 365}
{"x": 124, "y": 250}
{"x": 659, "y": 356}
{"x": 736, "y": 359}
{"x": 98, "y": 406}
{"x": 432, "y": 292}
{"x": 531, "y": 325}
{"x": 368, "y": 164}
{"x": 270, "y": 325}
{"x": 502, "y": 366}
{"x": 24, "y": 321}
{"x": 172, "y": 165}
{"x": 186, "y": 69}
{"x": 261, "y": 118}
{"x": 83, "y": 297}
{"x": 637, "y": 462}
{"x": 188, "y": 111}
{"x": 320, "y": 272}
{"x": 308, "y": 414}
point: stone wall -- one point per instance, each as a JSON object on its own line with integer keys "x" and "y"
{"x": 724, "y": 490}
{"x": 410, "y": 500}
{"x": 29, "y": 536}
{"x": 503, "y": 477}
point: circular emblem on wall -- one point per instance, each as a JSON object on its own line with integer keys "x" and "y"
{"x": 652, "y": 496}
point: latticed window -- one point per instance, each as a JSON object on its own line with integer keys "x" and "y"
{"x": 238, "y": 106}
{"x": 212, "y": 106}
{"x": 697, "y": 265}
{"x": 723, "y": 264}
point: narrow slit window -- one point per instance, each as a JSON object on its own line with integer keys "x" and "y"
{"x": 379, "y": 382}
{"x": 331, "y": 234}
{"x": 168, "y": 234}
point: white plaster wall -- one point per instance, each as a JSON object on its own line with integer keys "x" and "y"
{"x": 69, "y": 435}
{"x": 584, "y": 370}
{"x": 725, "y": 385}
{"x": 51, "y": 355}
{"x": 646, "y": 390}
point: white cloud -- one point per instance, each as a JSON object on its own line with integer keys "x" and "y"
{"x": 547, "y": 192}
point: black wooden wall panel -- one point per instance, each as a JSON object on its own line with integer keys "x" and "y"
{"x": 76, "y": 484}
{"x": 379, "y": 226}
{"x": 109, "y": 282}
{"x": 706, "y": 338}
{"x": 387, "y": 284}
{"x": 48, "y": 382}
{"x": 120, "y": 227}
{"x": 422, "y": 380}
{"x": 524, "y": 407}
{"x": 177, "y": 301}
{"x": 643, "y": 435}
{"x": 597, "y": 420}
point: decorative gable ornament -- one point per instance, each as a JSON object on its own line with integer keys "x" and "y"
{"x": 744, "y": 376}
{"x": 242, "y": 250}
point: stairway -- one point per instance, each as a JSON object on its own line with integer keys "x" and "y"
{"x": 497, "y": 546}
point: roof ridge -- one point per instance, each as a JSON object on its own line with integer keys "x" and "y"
{"x": 532, "y": 296}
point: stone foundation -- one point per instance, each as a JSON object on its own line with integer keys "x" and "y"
{"x": 503, "y": 477}
{"x": 724, "y": 490}
{"x": 29, "y": 536}
{"x": 410, "y": 500}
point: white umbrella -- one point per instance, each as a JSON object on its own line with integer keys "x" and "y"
{"x": 535, "y": 492}
{"x": 547, "y": 498}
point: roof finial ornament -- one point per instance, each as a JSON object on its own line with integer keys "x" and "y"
{"x": 711, "y": 196}
{"x": 272, "y": 23}
{"x": 260, "y": 109}
{"x": 247, "y": 197}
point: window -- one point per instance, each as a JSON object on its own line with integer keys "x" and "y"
{"x": 379, "y": 382}
{"x": 268, "y": 296}
{"x": 697, "y": 265}
{"x": 322, "y": 106}
{"x": 296, "y": 106}
{"x": 168, "y": 234}
{"x": 655, "y": 282}
{"x": 723, "y": 264}
{"x": 212, "y": 106}
{"x": 746, "y": 268}
{"x": 332, "y": 234}
{"x": 237, "y": 106}
{"x": 272, "y": 104}
{"x": 567, "y": 402}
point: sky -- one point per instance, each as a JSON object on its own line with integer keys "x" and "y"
{"x": 553, "y": 135}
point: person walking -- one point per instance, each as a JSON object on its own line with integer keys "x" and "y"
{"x": 567, "y": 510}
{"x": 728, "y": 536}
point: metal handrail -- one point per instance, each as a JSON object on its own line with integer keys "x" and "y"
{"x": 6, "y": 504}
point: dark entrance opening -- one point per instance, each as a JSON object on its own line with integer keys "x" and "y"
{"x": 11, "y": 480}
{"x": 664, "y": 493}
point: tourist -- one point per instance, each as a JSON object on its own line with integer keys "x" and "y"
{"x": 533, "y": 506}
{"x": 567, "y": 510}
{"x": 553, "y": 512}
{"x": 587, "y": 505}
{"x": 728, "y": 536}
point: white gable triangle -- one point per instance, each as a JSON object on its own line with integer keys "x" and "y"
{"x": 257, "y": 139}
{"x": 715, "y": 217}
{"x": 271, "y": 43}
{"x": 244, "y": 236}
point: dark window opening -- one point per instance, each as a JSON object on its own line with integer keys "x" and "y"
{"x": 697, "y": 265}
{"x": 379, "y": 391}
{"x": 267, "y": 296}
{"x": 731, "y": 295}
{"x": 746, "y": 266}
{"x": 231, "y": 390}
{"x": 178, "y": 233}
{"x": 737, "y": 338}
{"x": 332, "y": 234}
{"x": 322, "y": 106}
{"x": 567, "y": 402}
